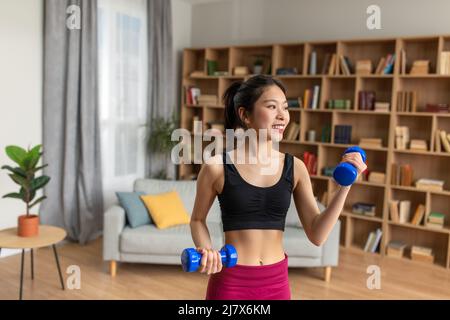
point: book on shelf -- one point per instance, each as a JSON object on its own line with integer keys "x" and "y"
{"x": 404, "y": 211}
{"x": 240, "y": 71}
{"x": 292, "y": 131}
{"x": 344, "y": 104}
{"x": 402, "y": 61}
{"x": 345, "y": 65}
{"x": 420, "y": 67}
{"x": 367, "y": 209}
{"x": 393, "y": 210}
{"x": 401, "y": 175}
{"x": 311, "y": 98}
{"x": 442, "y": 141}
{"x": 342, "y": 134}
{"x": 366, "y": 100}
{"x": 401, "y": 137}
{"x": 445, "y": 63}
{"x": 326, "y": 133}
{"x": 377, "y": 177}
{"x": 382, "y": 107}
{"x": 395, "y": 249}
{"x": 207, "y": 99}
{"x": 370, "y": 143}
{"x": 407, "y": 101}
{"x": 191, "y": 95}
{"x": 286, "y": 71}
{"x": 373, "y": 240}
{"x": 363, "y": 67}
{"x": 386, "y": 64}
{"x": 313, "y": 63}
{"x": 197, "y": 73}
{"x": 418, "y": 144}
{"x": 310, "y": 160}
{"x": 418, "y": 215}
{"x": 437, "y": 107}
{"x": 435, "y": 220}
{"x": 333, "y": 67}
{"x": 429, "y": 184}
{"x": 326, "y": 63}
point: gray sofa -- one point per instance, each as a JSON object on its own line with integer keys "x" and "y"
{"x": 148, "y": 244}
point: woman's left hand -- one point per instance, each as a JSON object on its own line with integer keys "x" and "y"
{"x": 355, "y": 159}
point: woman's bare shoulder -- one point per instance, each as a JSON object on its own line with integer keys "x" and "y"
{"x": 212, "y": 168}
{"x": 300, "y": 171}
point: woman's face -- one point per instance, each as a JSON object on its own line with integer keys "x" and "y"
{"x": 270, "y": 112}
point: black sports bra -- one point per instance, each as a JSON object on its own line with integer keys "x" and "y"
{"x": 246, "y": 206}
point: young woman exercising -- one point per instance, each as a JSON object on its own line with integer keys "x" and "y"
{"x": 254, "y": 205}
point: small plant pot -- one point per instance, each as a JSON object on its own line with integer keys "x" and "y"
{"x": 257, "y": 69}
{"x": 28, "y": 226}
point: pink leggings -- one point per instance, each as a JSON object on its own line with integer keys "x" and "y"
{"x": 266, "y": 282}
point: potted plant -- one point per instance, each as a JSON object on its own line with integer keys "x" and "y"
{"x": 25, "y": 176}
{"x": 160, "y": 139}
{"x": 258, "y": 65}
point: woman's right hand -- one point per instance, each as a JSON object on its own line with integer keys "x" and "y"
{"x": 211, "y": 261}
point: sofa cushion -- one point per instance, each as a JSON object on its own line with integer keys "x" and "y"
{"x": 149, "y": 239}
{"x": 185, "y": 188}
{"x": 297, "y": 244}
{"x": 136, "y": 213}
{"x": 167, "y": 209}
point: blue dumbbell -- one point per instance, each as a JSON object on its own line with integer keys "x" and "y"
{"x": 345, "y": 173}
{"x": 191, "y": 258}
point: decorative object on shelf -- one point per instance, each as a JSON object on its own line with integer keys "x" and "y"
{"x": 342, "y": 104}
{"x": 420, "y": 253}
{"x": 197, "y": 73}
{"x": 211, "y": 67}
{"x": 313, "y": 63}
{"x": 286, "y": 71}
{"x": 420, "y": 67}
{"x": 192, "y": 94}
{"x": 395, "y": 249}
{"x": 363, "y": 67}
{"x": 293, "y": 102}
{"x": 401, "y": 137}
{"x": 25, "y": 176}
{"x": 367, "y": 209}
{"x": 328, "y": 171}
{"x": 311, "y": 136}
{"x": 240, "y": 71}
{"x": 258, "y": 63}
{"x": 377, "y": 177}
{"x": 342, "y": 134}
{"x": 418, "y": 145}
{"x": 207, "y": 99}
{"x": 407, "y": 101}
{"x": 221, "y": 73}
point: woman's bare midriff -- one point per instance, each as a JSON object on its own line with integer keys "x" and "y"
{"x": 257, "y": 247}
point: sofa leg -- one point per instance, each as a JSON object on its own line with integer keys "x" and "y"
{"x": 327, "y": 274}
{"x": 113, "y": 268}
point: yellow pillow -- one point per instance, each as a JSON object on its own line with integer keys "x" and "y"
{"x": 166, "y": 209}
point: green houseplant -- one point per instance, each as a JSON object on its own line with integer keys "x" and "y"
{"x": 25, "y": 176}
{"x": 159, "y": 139}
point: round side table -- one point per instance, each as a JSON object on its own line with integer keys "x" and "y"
{"x": 48, "y": 236}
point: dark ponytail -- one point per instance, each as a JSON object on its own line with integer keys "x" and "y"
{"x": 245, "y": 94}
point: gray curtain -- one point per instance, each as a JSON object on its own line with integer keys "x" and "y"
{"x": 161, "y": 90}
{"x": 71, "y": 137}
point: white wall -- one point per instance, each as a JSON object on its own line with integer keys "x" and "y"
{"x": 228, "y": 22}
{"x": 21, "y": 44}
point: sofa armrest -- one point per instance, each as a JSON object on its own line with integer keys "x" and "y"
{"x": 330, "y": 249}
{"x": 113, "y": 224}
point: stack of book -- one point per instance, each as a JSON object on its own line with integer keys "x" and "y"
{"x": 207, "y": 99}
{"x": 363, "y": 67}
{"x": 370, "y": 143}
{"x": 192, "y": 94}
{"x": 292, "y": 131}
{"x": 344, "y": 104}
{"x": 286, "y": 71}
{"x": 420, "y": 253}
{"x": 400, "y": 210}
{"x": 366, "y": 100}
{"x": 418, "y": 144}
{"x": 401, "y": 137}
{"x": 395, "y": 249}
{"x": 342, "y": 133}
{"x": 373, "y": 240}
{"x": 430, "y": 184}
{"x": 377, "y": 177}
{"x": 382, "y": 106}
{"x": 386, "y": 64}
{"x": 310, "y": 160}
{"x": 445, "y": 63}
{"x": 311, "y": 98}
{"x": 197, "y": 73}
{"x": 436, "y": 220}
{"x": 345, "y": 65}
{"x": 420, "y": 67}
{"x": 437, "y": 107}
{"x": 441, "y": 141}
{"x": 401, "y": 175}
{"x": 367, "y": 209}
{"x": 407, "y": 101}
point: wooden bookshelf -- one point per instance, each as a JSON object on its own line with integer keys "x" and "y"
{"x": 431, "y": 88}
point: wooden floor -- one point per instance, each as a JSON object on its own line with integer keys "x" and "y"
{"x": 400, "y": 279}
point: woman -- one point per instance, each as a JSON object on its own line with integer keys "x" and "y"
{"x": 254, "y": 205}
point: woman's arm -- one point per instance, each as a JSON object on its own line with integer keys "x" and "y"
{"x": 318, "y": 225}
{"x": 204, "y": 198}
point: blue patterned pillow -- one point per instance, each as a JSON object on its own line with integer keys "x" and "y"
{"x": 137, "y": 213}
